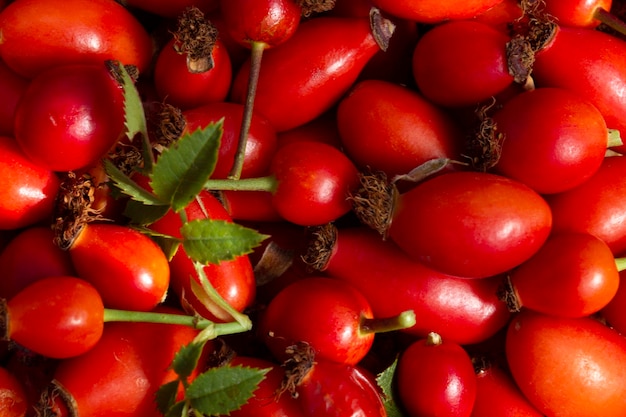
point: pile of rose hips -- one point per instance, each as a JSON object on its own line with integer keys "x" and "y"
{"x": 312, "y": 208}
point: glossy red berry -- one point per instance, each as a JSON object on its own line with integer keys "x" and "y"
{"x": 29, "y": 190}
{"x": 58, "y": 317}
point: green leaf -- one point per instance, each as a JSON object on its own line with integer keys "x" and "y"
{"x": 177, "y": 410}
{"x": 135, "y": 118}
{"x": 224, "y": 389}
{"x": 142, "y": 214}
{"x": 180, "y": 172}
{"x": 129, "y": 187}
{"x": 186, "y": 359}
{"x": 385, "y": 381}
{"x": 166, "y": 396}
{"x": 169, "y": 244}
{"x": 134, "y": 115}
{"x": 212, "y": 241}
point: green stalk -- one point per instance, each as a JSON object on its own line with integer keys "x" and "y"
{"x": 241, "y": 319}
{"x": 268, "y": 183}
{"x": 610, "y": 20}
{"x": 256, "y": 55}
{"x": 403, "y": 320}
{"x": 433, "y": 339}
{"x": 620, "y": 263}
{"x": 218, "y": 329}
{"x": 614, "y": 138}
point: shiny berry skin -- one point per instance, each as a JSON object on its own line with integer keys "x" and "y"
{"x": 182, "y": 88}
{"x": 29, "y": 190}
{"x": 58, "y": 317}
{"x": 38, "y": 35}
{"x": 436, "y": 377}
{"x": 70, "y": 117}
{"x": 31, "y": 255}
{"x": 337, "y": 309}
{"x": 314, "y": 182}
{"x": 129, "y": 269}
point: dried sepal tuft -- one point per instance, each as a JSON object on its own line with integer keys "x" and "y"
{"x": 195, "y": 37}
{"x": 484, "y": 146}
{"x": 382, "y": 28}
{"x": 73, "y": 208}
{"x": 520, "y": 58}
{"x": 374, "y": 201}
{"x": 301, "y": 359}
{"x": 311, "y": 7}
{"x": 320, "y": 243}
{"x": 56, "y": 401}
{"x": 507, "y": 294}
{"x": 166, "y": 124}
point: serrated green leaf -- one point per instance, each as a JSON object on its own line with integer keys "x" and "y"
{"x": 168, "y": 244}
{"x": 141, "y": 214}
{"x": 129, "y": 187}
{"x": 224, "y": 389}
{"x": 385, "y": 381}
{"x": 166, "y": 396}
{"x": 134, "y": 116}
{"x": 212, "y": 241}
{"x": 186, "y": 359}
{"x": 180, "y": 172}
{"x": 177, "y": 410}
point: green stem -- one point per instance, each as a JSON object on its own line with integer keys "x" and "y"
{"x": 268, "y": 183}
{"x": 147, "y": 153}
{"x": 215, "y": 298}
{"x": 433, "y": 339}
{"x": 256, "y": 55}
{"x": 219, "y": 329}
{"x": 614, "y": 139}
{"x": 403, "y": 320}
{"x": 605, "y": 16}
{"x": 620, "y": 263}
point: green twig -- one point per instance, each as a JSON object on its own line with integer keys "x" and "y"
{"x": 216, "y": 329}
{"x": 241, "y": 319}
{"x": 267, "y": 183}
{"x": 256, "y": 55}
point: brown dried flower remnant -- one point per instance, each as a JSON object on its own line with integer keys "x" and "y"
{"x": 321, "y": 240}
{"x": 485, "y": 145}
{"x": 373, "y": 202}
{"x": 195, "y": 37}
{"x": 169, "y": 125}
{"x": 310, "y": 7}
{"x": 300, "y": 362}
{"x": 74, "y": 208}
{"x": 520, "y": 58}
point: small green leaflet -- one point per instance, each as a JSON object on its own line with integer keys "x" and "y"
{"x": 186, "y": 359}
{"x": 385, "y": 381}
{"x": 129, "y": 187}
{"x": 135, "y": 118}
{"x": 166, "y": 396}
{"x": 180, "y": 172}
{"x": 134, "y": 115}
{"x": 211, "y": 241}
{"x": 221, "y": 390}
{"x": 142, "y": 214}
{"x": 177, "y": 410}
{"x": 143, "y": 208}
{"x": 169, "y": 244}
